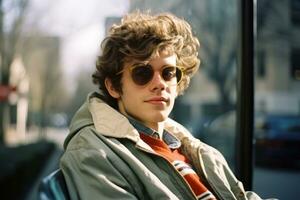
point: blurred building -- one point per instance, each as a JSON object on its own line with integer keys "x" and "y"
{"x": 18, "y": 100}
{"x": 35, "y": 73}
{"x": 278, "y": 57}
{"x": 41, "y": 56}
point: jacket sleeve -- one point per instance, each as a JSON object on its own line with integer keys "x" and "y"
{"x": 90, "y": 174}
{"x": 235, "y": 185}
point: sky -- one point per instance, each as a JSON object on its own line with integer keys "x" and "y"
{"x": 79, "y": 24}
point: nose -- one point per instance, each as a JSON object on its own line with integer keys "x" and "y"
{"x": 158, "y": 83}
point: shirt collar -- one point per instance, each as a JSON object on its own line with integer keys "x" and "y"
{"x": 172, "y": 141}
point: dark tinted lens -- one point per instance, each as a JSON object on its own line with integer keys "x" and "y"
{"x": 178, "y": 74}
{"x": 141, "y": 75}
{"x": 168, "y": 73}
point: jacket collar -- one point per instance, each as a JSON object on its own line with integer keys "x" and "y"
{"x": 172, "y": 141}
{"x": 103, "y": 115}
{"x": 98, "y": 113}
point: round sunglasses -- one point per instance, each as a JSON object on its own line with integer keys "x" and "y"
{"x": 142, "y": 74}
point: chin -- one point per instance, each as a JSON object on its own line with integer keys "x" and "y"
{"x": 160, "y": 117}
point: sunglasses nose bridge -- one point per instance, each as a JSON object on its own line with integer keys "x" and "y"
{"x": 157, "y": 77}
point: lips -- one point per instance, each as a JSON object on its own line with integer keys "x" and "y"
{"x": 157, "y": 100}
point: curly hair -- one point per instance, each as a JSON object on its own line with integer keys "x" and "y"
{"x": 141, "y": 36}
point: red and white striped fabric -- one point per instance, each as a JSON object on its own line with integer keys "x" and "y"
{"x": 181, "y": 163}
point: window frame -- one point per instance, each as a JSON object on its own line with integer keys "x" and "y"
{"x": 245, "y": 94}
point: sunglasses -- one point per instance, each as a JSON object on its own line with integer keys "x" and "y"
{"x": 142, "y": 74}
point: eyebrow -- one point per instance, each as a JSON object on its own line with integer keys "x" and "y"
{"x": 149, "y": 65}
{"x": 140, "y": 63}
{"x": 170, "y": 65}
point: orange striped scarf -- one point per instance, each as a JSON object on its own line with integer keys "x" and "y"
{"x": 181, "y": 164}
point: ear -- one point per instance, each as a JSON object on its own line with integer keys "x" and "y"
{"x": 111, "y": 90}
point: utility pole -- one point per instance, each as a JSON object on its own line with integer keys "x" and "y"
{"x": 3, "y": 73}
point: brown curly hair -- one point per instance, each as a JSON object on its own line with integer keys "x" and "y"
{"x": 141, "y": 36}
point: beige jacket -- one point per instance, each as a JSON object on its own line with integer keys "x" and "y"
{"x": 105, "y": 158}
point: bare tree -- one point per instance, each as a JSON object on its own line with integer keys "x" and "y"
{"x": 215, "y": 24}
{"x": 12, "y": 14}
{"x": 40, "y": 53}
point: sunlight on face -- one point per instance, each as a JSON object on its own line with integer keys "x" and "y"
{"x": 153, "y": 102}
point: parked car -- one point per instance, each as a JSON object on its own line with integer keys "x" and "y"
{"x": 276, "y": 138}
{"x": 278, "y": 141}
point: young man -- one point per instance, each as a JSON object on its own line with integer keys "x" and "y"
{"x": 122, "y": 145}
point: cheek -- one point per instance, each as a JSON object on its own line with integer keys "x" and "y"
{"x": 173, "y": 91}
{"x": 173, "y": 95}
{"x": 130, "y": 97}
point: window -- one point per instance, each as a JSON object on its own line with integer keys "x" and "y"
{"x": 295, "y": 63}
{"x": 295, "y": 12}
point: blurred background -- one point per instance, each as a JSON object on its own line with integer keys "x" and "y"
{"x": 47, "y": 55}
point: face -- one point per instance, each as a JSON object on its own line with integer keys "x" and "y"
{"x": 150, "y": 103}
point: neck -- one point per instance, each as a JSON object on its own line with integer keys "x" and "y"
{"x": 156, "y": 126}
